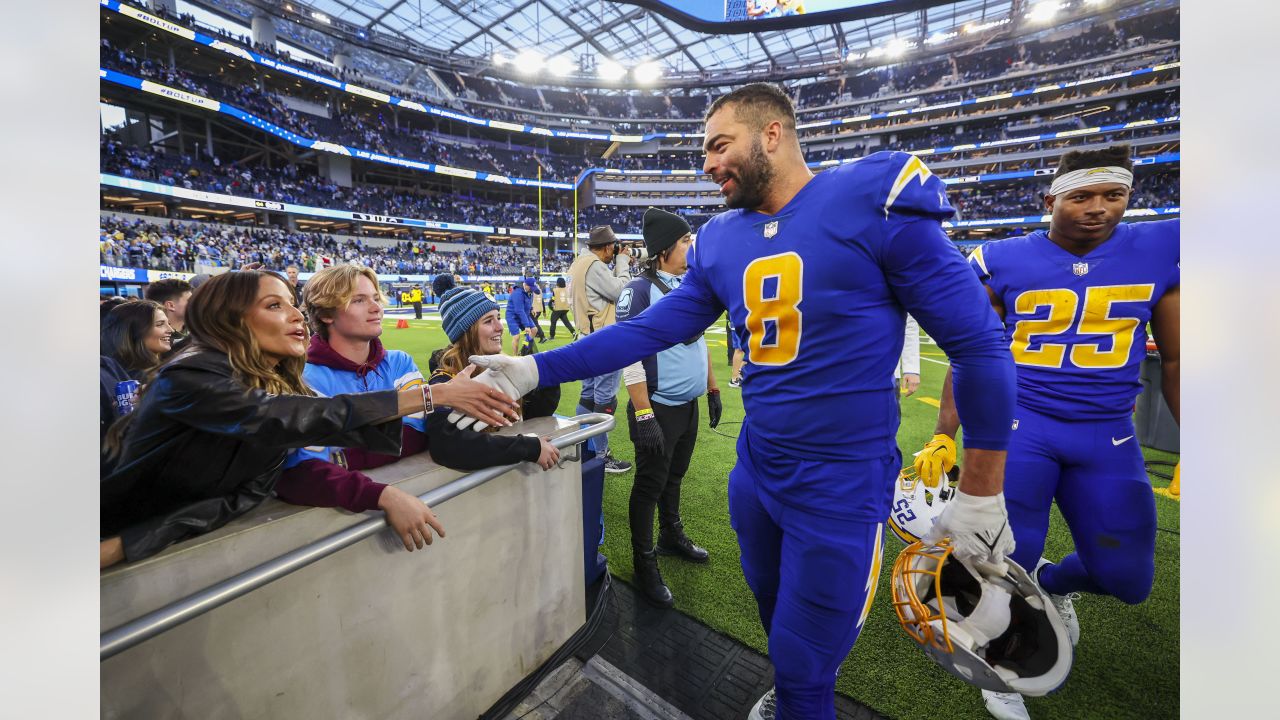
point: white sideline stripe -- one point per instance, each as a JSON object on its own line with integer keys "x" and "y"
{"x": 938, "y": 362}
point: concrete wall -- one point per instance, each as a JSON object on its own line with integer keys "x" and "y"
{"x": 373, "y": 631}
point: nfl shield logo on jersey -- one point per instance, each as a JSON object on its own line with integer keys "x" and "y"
{"x": 1080, "y": 268}
{"x": 771, "y": 229}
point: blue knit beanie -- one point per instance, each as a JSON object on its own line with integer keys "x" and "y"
{"x": 460, "y": 308}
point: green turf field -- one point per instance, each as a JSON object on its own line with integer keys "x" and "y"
{"x": 1127, "y": 661}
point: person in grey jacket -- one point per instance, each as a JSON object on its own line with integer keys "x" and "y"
{"x": 595, "y": 290}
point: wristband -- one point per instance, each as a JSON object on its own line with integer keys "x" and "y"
{"x": 644, "y": 414}
{"x": 428, "y": 406}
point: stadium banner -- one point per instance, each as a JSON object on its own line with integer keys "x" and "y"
{"x": 112, "y": 273}
{"x": 155, "y": 188}
{"x": 315, "y": 144}
{"x": 427, "y": 109}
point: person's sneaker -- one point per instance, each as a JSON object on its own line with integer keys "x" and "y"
{"x": 1065, "y": 605}
{"x": 614, "y": 465}
{"x": 1005, "y": 706}
{"x": 735, "y": 382}
{"x": 766, "y": 708}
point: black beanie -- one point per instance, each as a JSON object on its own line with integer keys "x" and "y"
{"x": 662, "y": 229}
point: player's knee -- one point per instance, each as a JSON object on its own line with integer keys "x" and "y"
{"x": 607, "y": 407}
{"x": 1129, "y": 583}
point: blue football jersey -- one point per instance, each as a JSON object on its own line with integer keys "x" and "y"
{"x": 818, "y": 293}
{"x": 1077, "y": 326}
{"x": 397, "y": 371}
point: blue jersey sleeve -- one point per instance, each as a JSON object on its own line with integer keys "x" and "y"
{"x": 683, "y": 313}
{"x": 931, "y": 280}
{"x": 912, "y": 190}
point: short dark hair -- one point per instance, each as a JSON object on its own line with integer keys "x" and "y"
{"x": 757, "y": 105}
{"x": 1114, "y": 156}
{"x": 162, "y": 291}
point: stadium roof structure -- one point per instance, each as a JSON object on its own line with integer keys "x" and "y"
{"x": 571, "y": 40}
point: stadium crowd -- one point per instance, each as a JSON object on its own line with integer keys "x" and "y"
{"x": 183, "y": 246}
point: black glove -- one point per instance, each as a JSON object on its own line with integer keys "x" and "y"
{"x": 647, "y": 434}
{"x": 714, "y": 406}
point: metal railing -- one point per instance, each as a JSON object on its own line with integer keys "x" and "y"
{"x": 123, "y": 637}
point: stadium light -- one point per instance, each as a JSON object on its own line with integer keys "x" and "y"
{"x": 499, "y": 59}
{"x": 939, "y": 37}
{"x": 647, "y": 72}
{"x": 529, "y": 61}
{"x": 560, "y": 66}
{"x": 896, "y": 48}
{"x": 1044, "y": 11}
{"x": 610, "y": 70}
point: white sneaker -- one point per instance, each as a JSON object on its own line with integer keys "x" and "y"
{"x": 1066, "y": 608}
{"x": 1005, "y": 706}
{"x": 766, "y": 708}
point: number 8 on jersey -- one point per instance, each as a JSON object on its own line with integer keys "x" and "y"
{"x": 772, "y": 288}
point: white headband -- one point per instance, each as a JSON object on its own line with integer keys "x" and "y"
{"x": 1090, "y": 176}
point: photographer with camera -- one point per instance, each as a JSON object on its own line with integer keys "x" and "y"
{"x": 595, "y": 295}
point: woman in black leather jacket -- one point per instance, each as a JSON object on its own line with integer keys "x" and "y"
{"x": 208, "y": 439}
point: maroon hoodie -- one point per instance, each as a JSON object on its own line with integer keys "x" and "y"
{"x": 326, "y": 484}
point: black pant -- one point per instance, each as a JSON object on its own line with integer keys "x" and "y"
{"x": 658, "y": 476}
{"x": 417, "y": 310}
{"x": 560, "y": 316}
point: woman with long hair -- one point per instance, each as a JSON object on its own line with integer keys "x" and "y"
{"x": 472, "y": 322}
{"x": 135, "y": 334}
{"x": 212, "y": 428}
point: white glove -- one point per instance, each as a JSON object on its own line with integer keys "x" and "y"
{"x": 513, "y": 376}
{"x": 979, "y": 531}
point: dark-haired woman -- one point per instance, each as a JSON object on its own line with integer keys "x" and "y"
{"x": 135, "y": 334}
{"x": 211, "y": 431}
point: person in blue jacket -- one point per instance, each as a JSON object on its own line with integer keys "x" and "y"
{"x": 520, "y": 312}
{"x": 802, "y": 263}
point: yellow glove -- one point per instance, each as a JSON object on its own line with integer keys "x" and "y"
{"x": 1175, "y": 487}
{"x": 936, "y": 459}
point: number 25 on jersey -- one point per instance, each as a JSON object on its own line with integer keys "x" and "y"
{"x": 1096, "y": 319}
{"x": 772, "y": 288}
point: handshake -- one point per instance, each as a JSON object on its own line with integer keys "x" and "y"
{"x": 514, "y": 377}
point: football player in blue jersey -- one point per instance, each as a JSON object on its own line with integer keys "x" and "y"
{"x": 801, "y": 263}
{"x": 1076, "y": 301}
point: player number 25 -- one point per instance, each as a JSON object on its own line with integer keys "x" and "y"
{"x": 1095, "y": 320}
{"x": 781, "y": 308}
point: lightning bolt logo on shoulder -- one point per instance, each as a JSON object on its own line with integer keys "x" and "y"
{"x": 912, "y": 169}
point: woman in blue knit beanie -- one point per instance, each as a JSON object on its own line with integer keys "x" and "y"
{"x": 473, "y": 324}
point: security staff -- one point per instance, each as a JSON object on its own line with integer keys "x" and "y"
{"x": 663, "y": 412}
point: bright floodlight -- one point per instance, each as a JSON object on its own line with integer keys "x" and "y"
{"x": 499, "y": 59}
{"x": 896, "y": 47}
{"x": 560, "y": 66}
{"x": 610, "y": 70}
{"x": 647, "y": 72}
{"x": 1044, "y": 11}
{"x": 529, "y": 61}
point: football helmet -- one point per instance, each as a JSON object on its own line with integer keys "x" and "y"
{"x": 999, "y": 633}
{"x": 915, "y": 505}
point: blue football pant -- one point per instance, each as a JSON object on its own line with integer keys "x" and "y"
{"x": 1096, "y": 472}
{"x": 814, "y": 578}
